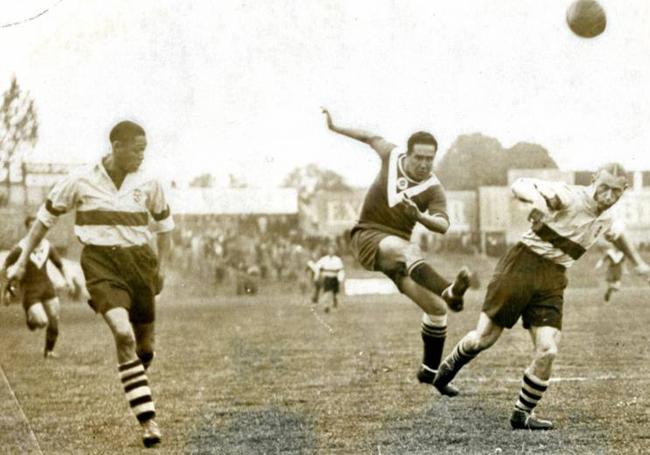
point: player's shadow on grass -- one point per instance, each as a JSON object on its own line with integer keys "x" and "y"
{"x": 449, "y": 427}
{"x": 256, "y": 431}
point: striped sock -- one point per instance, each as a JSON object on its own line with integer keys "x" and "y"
{"x": 532, "y": 390}
{"x": 460, "y": 357}
{"x": 433, "y": 339}
{"x": 136, "y": 388}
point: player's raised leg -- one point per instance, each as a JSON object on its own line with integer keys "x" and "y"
{"x": 485, "y": 335}
{"x": 52, "y": 309}
{"x": 132, "y": 374}
{"x": 35, "y": 315}
{"x": 536, "y": 380}
{"x": 395, "y": 252}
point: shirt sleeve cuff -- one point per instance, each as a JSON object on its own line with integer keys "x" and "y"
{"x": 46, "y": 217}
{"x": 164, "y": 225}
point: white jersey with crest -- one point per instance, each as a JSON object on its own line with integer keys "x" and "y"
{"x": 568, "y": 233}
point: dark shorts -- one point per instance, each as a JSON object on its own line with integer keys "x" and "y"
{"x": 121, "y": 277}
{"x": 614, "y": 272}
{"x": 331, "y": 284}
{"x": 39, "y": 291}
{"x": 527, "y": 285}
{"x": 365, "y": 246}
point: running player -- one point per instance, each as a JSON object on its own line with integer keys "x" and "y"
{"x": 530, "y": 279}
{"x": 40, "y": 301}
{"x": 330, "y": 274}
{"x": 115, "y": 202}
{"x": 406, "y": 191}
{"x": 613, "y": 260}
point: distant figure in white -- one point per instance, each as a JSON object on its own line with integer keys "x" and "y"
{"x": 329, "y": 274}
{"x": 614, "y": 259}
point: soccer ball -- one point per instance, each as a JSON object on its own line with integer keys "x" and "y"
{"x": 586, "y": 18}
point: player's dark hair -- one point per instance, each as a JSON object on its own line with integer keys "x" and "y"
{"x": 29, "y": 220}
{"x": 125, "y": 131}
{"x": 421, "y": 137}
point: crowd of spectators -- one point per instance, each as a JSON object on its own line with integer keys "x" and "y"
{"x": 247, "y": 252}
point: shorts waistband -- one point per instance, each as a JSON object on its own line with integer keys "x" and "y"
{"x": 116, "y": 247}
{"x": 541, "y": 258}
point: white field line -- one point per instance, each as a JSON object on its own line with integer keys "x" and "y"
{"x": 22, "y": 413}
{"x": 606, "y": 377}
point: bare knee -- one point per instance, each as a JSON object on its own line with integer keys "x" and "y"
{"x": 480, "y": 341}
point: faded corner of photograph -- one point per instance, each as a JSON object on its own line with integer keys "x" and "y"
{"x": 334, "y": 227}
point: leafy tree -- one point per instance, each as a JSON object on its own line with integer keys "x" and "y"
{"x": 476, "y": 160}
{"x": 18, "y": 128}
{"x": 312, "y": 178}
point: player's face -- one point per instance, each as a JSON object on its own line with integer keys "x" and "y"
{"x": 609, "y": 189}
{"x": 419, "y": 163}
{"x": 129, "y": 154}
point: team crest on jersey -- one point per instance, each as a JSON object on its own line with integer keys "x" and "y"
{"x": 137, "y": 196}
{"x": 397, "y": 185}
{"x": 402, "y": 183}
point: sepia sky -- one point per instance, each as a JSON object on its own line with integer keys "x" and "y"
{"x": 235, "y": 86}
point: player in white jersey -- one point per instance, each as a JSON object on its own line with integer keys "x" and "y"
{"x": 530, "y": 279}
{"x": 40, "y": 301}
{"x": 330, "y": 273}
{"x": 613, "y": 260}
{"x": 116, "y": 202}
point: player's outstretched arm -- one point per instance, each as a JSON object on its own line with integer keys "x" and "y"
{"x": 34, "y": 237}
{"x": 640, "y": 266}
{"x": 379, "y": 144}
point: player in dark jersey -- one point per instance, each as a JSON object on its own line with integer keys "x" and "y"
{"x": 40, "y": 301}
{"x": 406, "y": 192}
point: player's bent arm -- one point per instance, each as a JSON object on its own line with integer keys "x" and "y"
{"x": 435, "y": 222}
{"x": 622, "y": 243}
{"x": 34, "y": 237}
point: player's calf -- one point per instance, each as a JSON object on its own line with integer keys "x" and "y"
{"x": 449, "y": 368}
{"x": 146, "y": 357}
{"x": 434, "y": 333}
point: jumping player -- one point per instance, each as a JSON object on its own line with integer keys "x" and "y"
{"x": 613, "y": 260}
{"x": 330, "y": 274}
{"x": 116, "y": 201}
{"x": 404, "y": 192}
{"x": 40, "y": 301}
{"x": 530, "y": 279}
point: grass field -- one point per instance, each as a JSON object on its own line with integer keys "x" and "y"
{"x": 256, "y": 375}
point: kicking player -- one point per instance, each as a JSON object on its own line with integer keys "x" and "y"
{"x": 530, "y": 279}
{"x": 330, "y": 273}
{"x": 114, "y": 201}
{"x": 404, "y": 192}
{"x": 40, "y": 301}
{"x": 614, "y": 259}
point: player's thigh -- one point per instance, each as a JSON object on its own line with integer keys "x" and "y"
{"x": 36, "y": 315}
{"x": 425, "y": 299}
{"x": 394, "y": 250}
{"x": 52, "y": 308}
